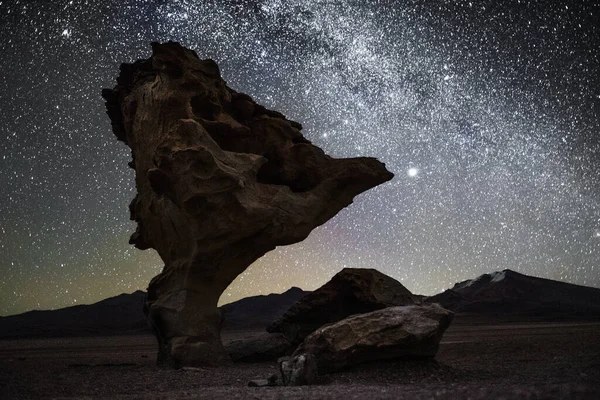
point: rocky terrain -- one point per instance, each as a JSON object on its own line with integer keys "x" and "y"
{"x": 480, "y": 362}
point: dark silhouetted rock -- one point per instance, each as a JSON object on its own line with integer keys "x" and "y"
{"x": 298, "y": 370}
{"x": 351, "y": 291}
{"x": 220, "y": 181}
{"x": 394, "y": 332}
{"x": 509, "y": 293}
{"x": 258, "y": 312}
{"x": 263, "y": 347}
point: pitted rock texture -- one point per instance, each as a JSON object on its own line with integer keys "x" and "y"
{"x": 351, "y": 291}
{"x": 220, "y": 181}
{"x": 263, "y": 347}
{"x": 394, "y": 332}
{"x": 298, "y": 370}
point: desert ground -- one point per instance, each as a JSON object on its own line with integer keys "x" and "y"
{"x": 476, "y": 360}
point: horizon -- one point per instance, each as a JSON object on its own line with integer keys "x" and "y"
{"x": 220, "y": 304}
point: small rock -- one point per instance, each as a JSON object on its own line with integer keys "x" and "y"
{"x": 298, "y": 370}
{"x": 259, "y": 383}
{"x": 272, "y": 381}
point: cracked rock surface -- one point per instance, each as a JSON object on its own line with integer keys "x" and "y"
{"x": 395, "y": 332}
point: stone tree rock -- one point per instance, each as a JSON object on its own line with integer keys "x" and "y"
{"x": 351, "y": 291}
{"x": 220, "y": 181}
{"x": 395, "y": 332}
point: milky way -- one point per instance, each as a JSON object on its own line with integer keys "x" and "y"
{"x": 487, "y": 112}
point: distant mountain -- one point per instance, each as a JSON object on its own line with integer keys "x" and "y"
{"x": 113, "y": 316}
{"x": 124, "y": 314}
{"x": 259, "y": 311}
{"x": 510, "y": 293}
{"x": 505, "y": 293}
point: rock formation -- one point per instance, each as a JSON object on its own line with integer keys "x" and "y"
{"x": 298, "y": 370}
{"x": 220, "y": 181}
{"x": 395, "y": 332}
{"x": 263, "y": 347}
{"x": 351, "y": 291}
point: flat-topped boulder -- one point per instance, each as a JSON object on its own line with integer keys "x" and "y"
{"x": 394, "y": 332}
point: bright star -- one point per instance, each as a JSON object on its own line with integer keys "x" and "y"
{"x": 412, "y": 172}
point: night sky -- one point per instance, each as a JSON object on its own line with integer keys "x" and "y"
{"x": 486, "y": 111}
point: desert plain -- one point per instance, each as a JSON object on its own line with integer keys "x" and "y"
{"x": 479, "y": 358}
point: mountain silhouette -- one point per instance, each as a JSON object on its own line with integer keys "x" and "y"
{"x": 498, "y": 294}
{"x": 123, "y": 314}
{"x": 511, "y": 293}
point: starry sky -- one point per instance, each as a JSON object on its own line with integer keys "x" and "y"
{"x": 486, "y": 111}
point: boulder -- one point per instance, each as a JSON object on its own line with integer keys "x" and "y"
{"x": 351, "y": 291}
{"x": 395, "y": 332}
{"x": 262, "y": 347}
{"x": 298, "y": 370}
{"x": 220, "y": 180}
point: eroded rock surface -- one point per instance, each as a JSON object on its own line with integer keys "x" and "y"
{"x": 220, "y": 181}
{"x": 298, "y": 370}
{"x": 395, "y": 332}
{"x": 263, "y": 347}
{"x": 351, "y": 291}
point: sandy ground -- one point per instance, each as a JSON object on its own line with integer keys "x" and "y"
{"x": 524, "y": 361}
